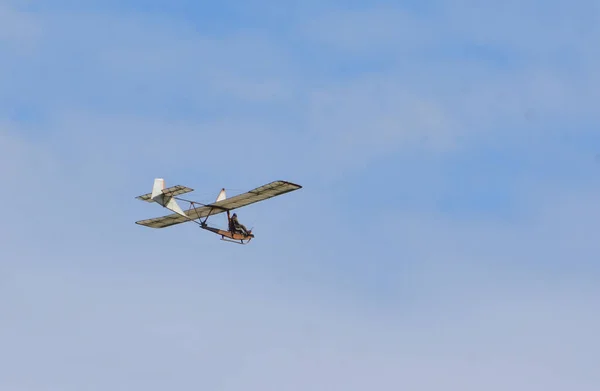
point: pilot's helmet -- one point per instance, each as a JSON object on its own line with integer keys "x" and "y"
{"x": 235, "y": 215}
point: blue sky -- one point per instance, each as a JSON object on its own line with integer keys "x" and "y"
{"x": 445, "y": 235}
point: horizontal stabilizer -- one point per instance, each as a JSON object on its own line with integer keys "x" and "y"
{"x": 168, "y": 192}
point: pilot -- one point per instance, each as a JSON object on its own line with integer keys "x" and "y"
{"x": 237, "y": 225}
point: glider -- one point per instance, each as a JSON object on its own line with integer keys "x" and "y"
{"x": 199, "y": 213}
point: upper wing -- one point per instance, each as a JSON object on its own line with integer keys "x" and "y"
{"x": 259, "y": 194}
{"x": 168, "y": 192}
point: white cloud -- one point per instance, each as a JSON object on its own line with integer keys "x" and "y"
{"x": 205, "y": 329}
{"x": 333, "y": 294}
{"x": 482, "y": 78}
{"x": 250, "y": 86}
{"x": 374, "y": 116}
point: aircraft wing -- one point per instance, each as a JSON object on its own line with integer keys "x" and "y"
{"x": 259, "y": 194}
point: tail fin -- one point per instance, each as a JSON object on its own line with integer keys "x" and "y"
{"x": 222, "y": 195}
{"x": 159, "y": 186}
{"x": 164, "y": 197}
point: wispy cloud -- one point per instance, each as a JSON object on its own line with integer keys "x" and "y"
{"x": 444, "y": 235}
